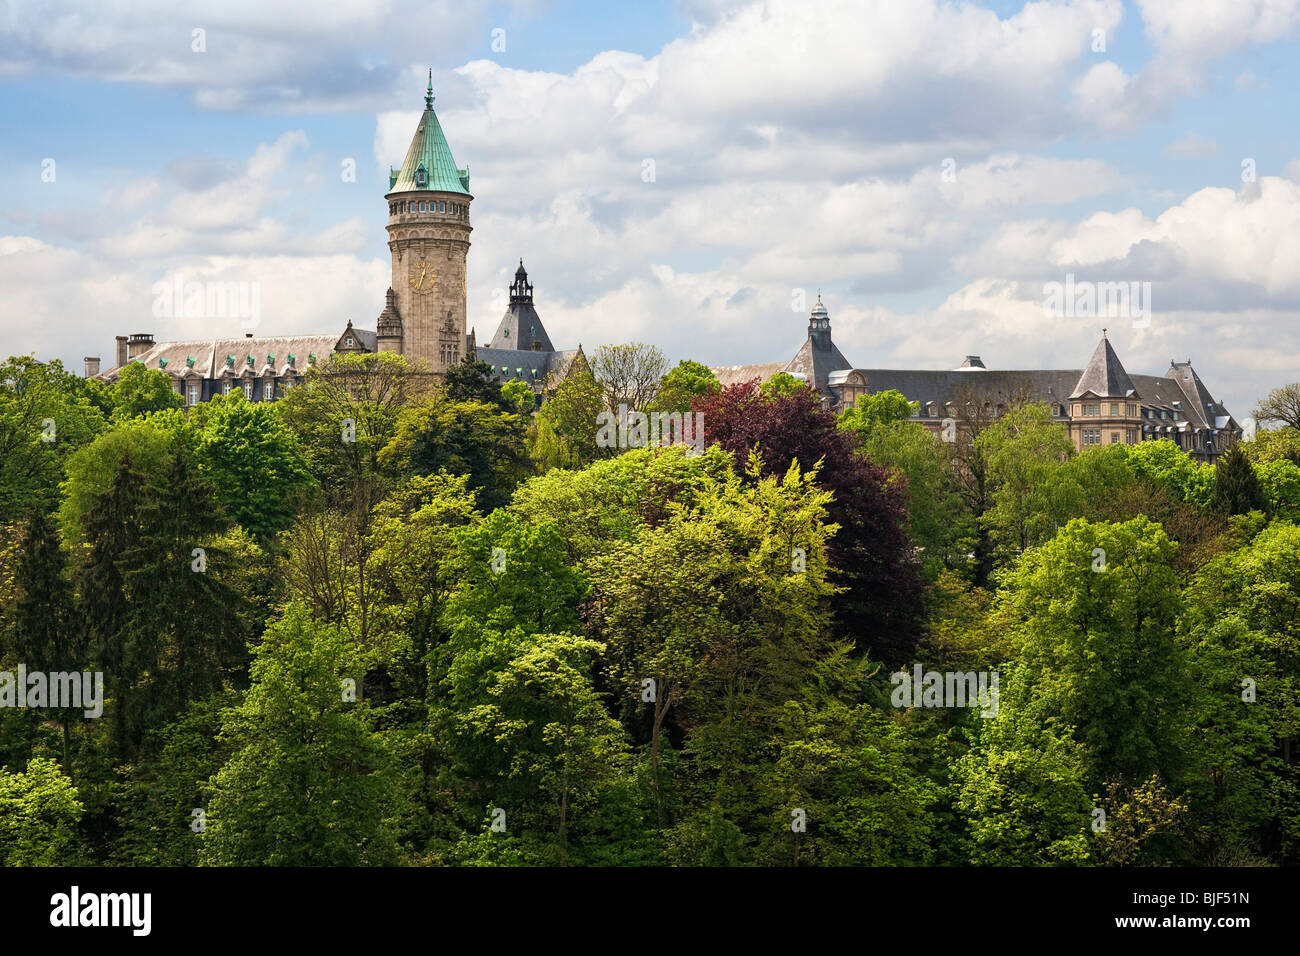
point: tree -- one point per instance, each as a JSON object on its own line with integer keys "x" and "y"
{"x": 462, "y": 438}
{"x": 878, "y": 409}
{"x": 937, "y": 521}
{"x": 682, "y": 385}
{"x": 47, "y": 635}
{"x": 254, "y": 464}
{"x": 782, "y": 385}
{"x": 344, "y": 415}
{"x": 1241, "y": 636}
{"x": 112, "y": 527}
{"x": 567, "y": 424}
{"x": 718, "y": 611}
{"x": 881, "y": 606}
{"x": 1281, "y": 405}
{"x": 629, "y": 374}
{"x": 518, "y": 398}
{"x": 185, "y": 622}
{"x": 1092, "y": 614}
{"x": 139, "y": 390}
{"x": 39, "y": 811}
{"x": 91, "y": 469}
{"x": 1022, "y": 793}
{"x": 556, "y": 749}
{"x": 472, "y": 380}
{"x": 46, "y": 415}
{"x": 1236, "y": 487}
{"x": 308, "y": 784}
{"x": 1022, "y": 449}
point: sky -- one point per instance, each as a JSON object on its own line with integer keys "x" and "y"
{"x": 687, "y": 173}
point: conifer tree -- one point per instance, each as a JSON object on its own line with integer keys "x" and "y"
{"x": 1236, "y": 486}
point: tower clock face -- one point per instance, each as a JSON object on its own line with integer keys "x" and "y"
{"x": 422, "y": 277}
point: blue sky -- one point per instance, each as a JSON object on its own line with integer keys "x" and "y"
{"x": 797, "y": 146}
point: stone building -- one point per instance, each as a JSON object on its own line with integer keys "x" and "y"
{"x": 1100, "y": 404}
{"x": 424, "y": 314}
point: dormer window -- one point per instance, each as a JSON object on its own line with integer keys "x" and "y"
{"x": 421, "y": 181}
{"x": 349, "y": 341}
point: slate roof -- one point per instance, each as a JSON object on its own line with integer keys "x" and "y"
{"x": 521, "y": 327}
{"x": 1105, "y": 376}
{"x": 535, "y": 368}
{"x": 209, "y": 355}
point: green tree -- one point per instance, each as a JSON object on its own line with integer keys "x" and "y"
{"x": 91, "y": 469}
{"x": 254, "y": 464}
{"x": 308, "y": 784}
{"x": 1023, "y": 449}
{"x": 937, "y": 520}
{"x": 682, "y": 385}
{"x": 1092, "y": 614}
{"x": 1236, "y": 487}
{"x": 139, "y": 390}
{"x": 781, "y": 385}
{"x": 462, "y": 438}
{"x": 47, "y": 634}
{"x": 566, "y": 424}
{"x": 518, "y": 398}
{"x": 46, "y": 415}
{"x": 1281, "y": 405}
{"x": 556, "y": 749}
{"x": 471, "y": 380}
{"x": 39, "y": 811}
{"x": 877, "y": 409}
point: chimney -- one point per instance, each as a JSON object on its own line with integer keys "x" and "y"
{"x": 138, "y": 344}
{"x": 92, "y": 366}
{"x": 121, "y": 351}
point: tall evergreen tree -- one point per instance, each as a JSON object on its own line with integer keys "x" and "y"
{"x": 112, "y": 527}
{"x": 1236, "y": 486}
{"x": 47, "y": 637}
{"x": 186, "y": 624}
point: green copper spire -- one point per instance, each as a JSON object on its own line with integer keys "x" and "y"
{"x": 429, "y": 166}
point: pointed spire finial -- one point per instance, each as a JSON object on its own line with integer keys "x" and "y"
{"x": 1103, "y": 332}
{"x": 428, "y": 96}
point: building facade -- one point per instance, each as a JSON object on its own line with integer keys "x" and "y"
{"x": 1100, "y": 404}
{"x": 424, "y": 313}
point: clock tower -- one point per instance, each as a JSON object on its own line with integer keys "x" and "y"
{"x": 428, "y": 236}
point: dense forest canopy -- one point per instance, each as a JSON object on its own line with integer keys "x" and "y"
{"x": 389, "y": 621}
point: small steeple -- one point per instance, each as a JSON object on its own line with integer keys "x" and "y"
{"x": 521, "y": 290}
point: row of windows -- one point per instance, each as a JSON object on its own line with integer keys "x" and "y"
{"x": 1094, "y": 409}
{"x": 193, "y": 390}
{"x": 1092, "y": 436}
{"x": 456, "y": 209}
{"x": 450, "y": 355}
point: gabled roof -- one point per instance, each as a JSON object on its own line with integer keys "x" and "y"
{"x": 429, "y": 166}
{"x": 1105, "y": 376}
